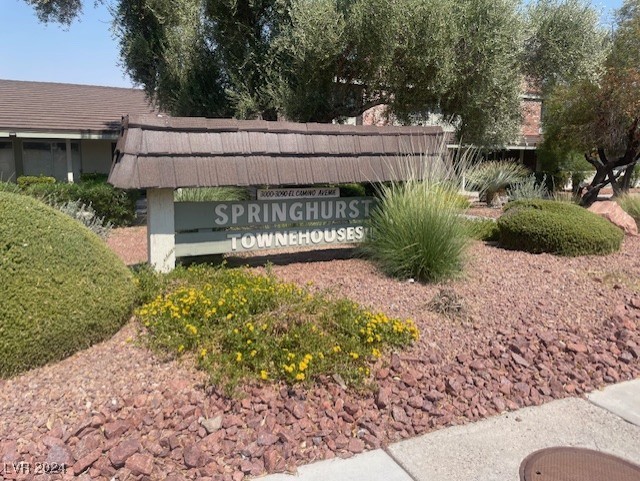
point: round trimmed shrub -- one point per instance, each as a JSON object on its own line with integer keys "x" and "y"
{"x": 557, "y": 228}
{"x": 61, "y": 288}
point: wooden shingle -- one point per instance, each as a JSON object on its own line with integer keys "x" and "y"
{"x": 158, "y": 151}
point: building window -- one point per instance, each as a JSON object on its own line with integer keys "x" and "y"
{"x": 7, "y": 167}
{"x": 50, "y": 158}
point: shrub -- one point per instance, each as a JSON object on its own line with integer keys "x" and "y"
{"x": 240, "y": 325}
{"x": 416, "y": 231}
{"x": 631, "y": 205}
{"x": 210, "y": 194}
{"x": 61, "y": 288}
{"x": 528, "y": 188}
{"x": 25, "y": 181}
{"x": 352, "y": 190}
{"x": 557, "y": 228}
{"x": 86, "y": 216}
{"x": 482, "y": 229}
{"x": 493, "y": 177}
{"x": 115, "y": 206}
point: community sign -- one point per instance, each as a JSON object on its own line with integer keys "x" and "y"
{"x": 221, "y": 227}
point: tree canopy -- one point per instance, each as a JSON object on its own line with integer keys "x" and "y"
{"x": 322, "y": 60}
{"x": 600, "y": 115}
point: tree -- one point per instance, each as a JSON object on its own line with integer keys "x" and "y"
{"x": 324, "y": 60}
{"x": 601, "y": 115}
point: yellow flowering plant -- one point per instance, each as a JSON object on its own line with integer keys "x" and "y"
{"x": 240, "y": 325}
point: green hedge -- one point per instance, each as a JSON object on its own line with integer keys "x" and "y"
{"x": 26, "y": 180}
{"x": 482, "y": 229}
{"x": 558, "y": 228}
{"x": 61, "y": 288}
{"x": 114, "y": 205}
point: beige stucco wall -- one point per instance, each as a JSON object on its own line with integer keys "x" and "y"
{"x": 96, "y": 156}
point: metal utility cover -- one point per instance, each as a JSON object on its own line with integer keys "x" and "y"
{"x": 576, "y": 464}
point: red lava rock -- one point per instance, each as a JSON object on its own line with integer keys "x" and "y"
{"x": 193, "y": 456}
{"x": 271, "y": 460}
{"x": 267, "y": 439}
{"x": 356, "y": 445}
{"x": 86, "y": 461}
{"x": 60, "y": 455}
{"x": 520, "y": 360}
{"x": 409, "y": 378}
{"x": 383, "y": 397}
{"x": 123, "y": 451}
{"x": 49, "y": 441}
{"x": 115, "y": 429}
{"x": 434, "y": 396}
{"x": 140, "y": 464}
{"x": 399, "y": 415}
{"x": 577, "y": 347}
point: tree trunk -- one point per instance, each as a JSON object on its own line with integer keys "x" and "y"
{"x": 621, "y": 183}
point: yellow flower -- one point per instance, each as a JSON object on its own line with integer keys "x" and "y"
{"x": 192, "y": 329}
{"x": 300, "y": 376}
{"x": 264, "y": 375}
{"x": 253, "y": 353}
{"x": 337, "y": 349}
{"x": 376, "y": 352}
{"x": 180, "y": 348}
{"x": 229, "y": 316}
{"x": 354, "y": 355}
{"x": 203, "y": 352}
{"x": 238, "y": 356}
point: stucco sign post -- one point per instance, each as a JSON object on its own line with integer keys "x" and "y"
{"x": 161, "y": 250}
{"x": 160, "y": 154}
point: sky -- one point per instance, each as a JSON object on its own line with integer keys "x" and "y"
{"x": 86, "y": 52}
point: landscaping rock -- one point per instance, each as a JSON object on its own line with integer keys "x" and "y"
{"x": 613, "y": 213}
{"x": 140, "y": 464}
{"x": 123, "y": 451}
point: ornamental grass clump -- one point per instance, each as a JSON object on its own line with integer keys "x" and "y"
{"x": 416, "y": 231}
{"x": 241, "y": 326}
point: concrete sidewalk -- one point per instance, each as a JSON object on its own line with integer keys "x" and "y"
{"x": 492, "y": 449}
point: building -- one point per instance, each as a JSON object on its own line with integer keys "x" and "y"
{"x": 522, "y": 149}
{"x": 62, "y": 130}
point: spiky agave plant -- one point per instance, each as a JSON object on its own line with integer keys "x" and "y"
{"x": 493, "y": 177}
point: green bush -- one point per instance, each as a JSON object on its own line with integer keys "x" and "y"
{"x": 558, "y": 228}
{"x": 416, "y": 231}
{"x": 115, "y": 206}
{"x": 240, "y": 325}
{"x": 25, "y": 181}
{"x": 210, "y": 194}
{"x": 352, "y": 190}
{"x": 61, "y": 288}
{"x": 482, "y": 229}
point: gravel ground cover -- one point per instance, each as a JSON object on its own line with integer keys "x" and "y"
{"x": 516, "y": 330}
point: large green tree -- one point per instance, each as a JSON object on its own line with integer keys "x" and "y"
{"x": 322, "y": 60}
{"x": 600, "y": 115}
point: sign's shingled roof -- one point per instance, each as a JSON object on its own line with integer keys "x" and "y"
{"x": 169, "y": 152}
{"x": 58, "y": 107}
